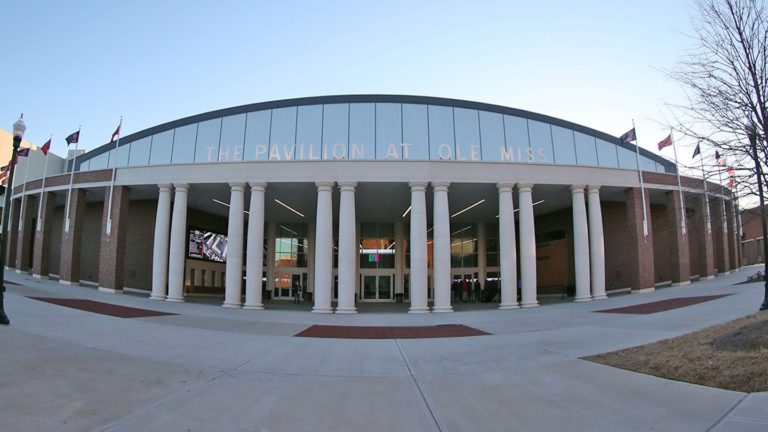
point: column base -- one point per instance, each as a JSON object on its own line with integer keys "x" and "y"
{"x": 582, "y": 299}
{"x": 110, "y": 290}
{"x": 346, "y": 310}
{"x": 175, "y": 299}
{"x": 683, "y": 283}
{"x": 719, "y": 274}
{"x": 418, "y": 310}
{"x": 642, "y": 291}
{"x": 505, "y": 306}
{"x": 232, "y": 305}
{"x": 442, "y": 309}
{"x": 37, "y": 276}
{"x": 529, "y": 305}
{"x": 599, "y": 297}
{"x": 157, "y": 297}
{"x": 322, "y": 310}
{"x": 253, "y": 306}
{"x": 19, "y": 271}
{"x": 708, "y": 277}
{"x": 66, "y": 282}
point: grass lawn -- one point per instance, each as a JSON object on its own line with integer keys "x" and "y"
{"x": 731, "y": 356}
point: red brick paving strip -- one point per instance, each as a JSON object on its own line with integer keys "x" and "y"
{"x": 361, "y": 332}
{"x": 663, "y": 305}
{"x": 102, "y": 308}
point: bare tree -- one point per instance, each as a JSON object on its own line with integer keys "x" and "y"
{"x": 726, "y": 79}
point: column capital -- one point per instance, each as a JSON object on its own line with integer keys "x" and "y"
{"x": 347, "y": 186}
{"x": 440, "y": 186}
{"x": 593, "y": 189}
{"x": 238, "y": 186}
{"x": 577, "y": 188}
{"x": 415, "y": 186}
{"x": 181, "y": 186}
{"x": 525, "y": 187}
{"x": 164, "y": 187}
{"x": 505, "y": 187}
{"x": 258, "y": 186}
{"x": 324, "y": 185}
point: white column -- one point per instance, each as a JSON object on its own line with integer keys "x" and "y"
{"x": 596, "y": 247}
{"x": 323, "y": 249}
{"x": 580, "y": 244}
{"x": 233, "y": 284}
{"x": 418, "y": 243}
{"x": 178, "y": 240}
{"x": 507, "y": 247}
{"x": 482, "y": 264}
{"x": 441, "y": 247}
{"x": 347, "y": 248}
{"x": 399, "y": 256}
{"x": 255, "y": 247}
{"x": 527, "y": 247}
{"x": 160, "y": 249}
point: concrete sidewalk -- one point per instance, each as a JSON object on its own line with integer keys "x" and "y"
{"x": 211, "y": 368}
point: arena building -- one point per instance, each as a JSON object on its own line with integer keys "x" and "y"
{"x": 370, "y": 198}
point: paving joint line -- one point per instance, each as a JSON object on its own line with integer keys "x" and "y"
{"x": 724, "y": 416}
{"x": 418, "y": 387}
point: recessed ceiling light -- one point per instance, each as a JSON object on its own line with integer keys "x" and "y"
{"x": 288, "y": 207}
{"x": 470, "y": 207}
{"x": 226, "y": 204}
{"x": 408, "y": 210}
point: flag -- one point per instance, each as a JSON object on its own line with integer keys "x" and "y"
{"x": 666, "y": 142}
{"x": 73, "y": 137}
{"x": 717, "y": 155}
{"x": 116, "y": 133}
{"x": 729, "y": 184}
{"x": 721, "y": 162}
{"x": 5, "y": 167}
{"x": 628, "y": 137}
{"x": 731, "y": 172}
{"x": 46, "y": 147}
{"x": 696, "y": 151}
{"x": 23, "y": 152}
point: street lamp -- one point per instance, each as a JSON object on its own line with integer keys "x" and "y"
{"x": 18, "y": 133}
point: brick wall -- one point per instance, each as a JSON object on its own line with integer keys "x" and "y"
{"x": 663, "y": 236}
{"x": 617, "y": 246}
{"x": 91, "y": 242}
{"x": 139, "y": 244}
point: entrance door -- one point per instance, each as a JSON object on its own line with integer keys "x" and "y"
{"x": 377, "y": 287}
{"x": 284, "y": 282}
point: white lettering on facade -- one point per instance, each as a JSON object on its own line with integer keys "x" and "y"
{"x": 288, "y": 151}
{"x": 224, "y": 154}
{"x": 274, "y": 153}
{"x": 542, "y": 155}
{"x": 339, "y": 151}
{"x": 406, "y": 147}
{"x": 260, "y": 150}
{"x": 392, "y": 152}
{"x": 506, "y": 154}
{"x": 474, "y": 152}
{"x": 210, "y": 153}
{"x": 529, "y": 154}
{"x": 445, "y": 152}
{"x": 312, "y": 155}
{"x": 238, "y": 153}
{"x": 357, "y": 152}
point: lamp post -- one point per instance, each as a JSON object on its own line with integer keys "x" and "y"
{"x": 18, "y": 133}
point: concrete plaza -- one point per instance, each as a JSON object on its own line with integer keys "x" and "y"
{"x": 219, "y": 369}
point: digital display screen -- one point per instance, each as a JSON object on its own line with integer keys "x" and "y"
{"x": 207, "y": 245}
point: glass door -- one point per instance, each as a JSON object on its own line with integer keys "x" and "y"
{"x": 377, "y": 287}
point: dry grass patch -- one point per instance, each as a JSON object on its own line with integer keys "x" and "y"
{"x": 731, "y": 356}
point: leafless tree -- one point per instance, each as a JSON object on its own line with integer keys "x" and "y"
{"x": 726, "y": 79}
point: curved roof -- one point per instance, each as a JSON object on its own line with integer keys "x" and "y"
{"x": 667, "y": 165}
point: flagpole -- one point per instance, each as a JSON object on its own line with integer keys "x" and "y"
{"x": 112, "y": 184}
{"x": 42, "y": 189}
{"x": 683, "y": 224}
{"x": 24, "y": 190}
{"x": 71, "y": 179}
{"x": 642, "y": 185}
{"x": 706, "y": 193}
{"x": 722, "y": 195}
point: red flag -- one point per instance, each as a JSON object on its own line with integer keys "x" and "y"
{"x": 116, "y": 133}
{"x": 46, "y": 147}
{"x": 729, "y": 184}
{"x": 731, "y": 172}
{"x": 666, "y": 142}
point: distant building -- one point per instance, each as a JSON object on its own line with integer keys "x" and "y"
{"x": 371, "y": 198}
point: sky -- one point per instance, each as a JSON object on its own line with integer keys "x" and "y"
{"x": 596, "y": 63}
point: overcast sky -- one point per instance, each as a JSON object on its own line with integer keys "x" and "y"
{"x": 596, "y": 63}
